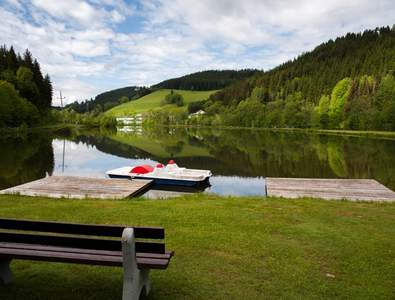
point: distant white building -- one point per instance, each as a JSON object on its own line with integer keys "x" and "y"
{"x": 136, "y": 119}
{"x": 125, "y": 120}
{"x": 196, "y": 114}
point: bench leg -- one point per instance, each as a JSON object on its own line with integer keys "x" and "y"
{"x": 146, "y": 282}
{"x": 134, "y": 280}
{"x": 5, "y": 271}
{"x": 131, "y": 286}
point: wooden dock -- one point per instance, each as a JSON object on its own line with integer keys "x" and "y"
{"x": 348, "y": 189}
{"x": 80, "y": 187}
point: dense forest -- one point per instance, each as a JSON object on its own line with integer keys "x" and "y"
{"x": 25, "y": 93}
{"x": 206, "y": 80}
{"x": 108, "y": 100}
{"x": 346, "y": 83}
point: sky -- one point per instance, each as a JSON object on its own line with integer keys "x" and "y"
{"x": 91, "y": 46}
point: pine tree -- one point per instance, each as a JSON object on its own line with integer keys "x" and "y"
{"x": 12, "y": 61}
{"x": 28, "y": 59}
{"x": 47, "y": 91}
{"x": 3, "y": 58}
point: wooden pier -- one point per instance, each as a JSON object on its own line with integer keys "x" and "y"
{"x": 81, "y": 187}
{"x": 348, "y": 189}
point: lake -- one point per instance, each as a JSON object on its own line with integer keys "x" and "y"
{"x": 239, "y": 159}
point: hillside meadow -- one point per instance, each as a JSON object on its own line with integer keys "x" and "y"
{"x": 153, "y": 101}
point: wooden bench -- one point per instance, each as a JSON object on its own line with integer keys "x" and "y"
{"x": 105, "y": 245}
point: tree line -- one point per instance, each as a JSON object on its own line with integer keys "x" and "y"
{"x": 25, "y": 93}
{"x": 360, "y": 103}
{"x": 346, "y": 83}
{"x": 206, "y": 80}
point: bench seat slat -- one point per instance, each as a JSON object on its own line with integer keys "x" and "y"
{"x": 166, "y": 255}
{"x": 79, "y": 242}
{"x": 81, "y": 258}
{"x": 82, "y": 229}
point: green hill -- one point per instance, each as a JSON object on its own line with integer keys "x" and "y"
{"x": 315, "y": 73}
{"x": 346, "y": 83}
{"x": 206, "y": 80}
{"x": 210, "y": 80}
{"x": 153, "y": 101}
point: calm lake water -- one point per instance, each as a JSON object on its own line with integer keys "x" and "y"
{"x": 239, "y": 159}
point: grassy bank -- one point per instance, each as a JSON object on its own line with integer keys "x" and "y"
{"x": 361, "y": 133}
{"x": 226, "y": 248}
{"x": 357, "y": 133}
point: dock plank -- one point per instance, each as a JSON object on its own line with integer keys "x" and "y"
{"x": 80, "y": 187}
{"x": 349, "y": 189}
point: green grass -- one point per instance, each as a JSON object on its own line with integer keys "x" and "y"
{"x": 226, "y": 248}
{"x": 153, "y": 101}
{"x": 357, "y": 133}
{"x": 342, "y": 132}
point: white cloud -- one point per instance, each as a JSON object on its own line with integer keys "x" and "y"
{"x": 15, "y": 3}
{"x": 84, "y": 13}
{"x": 79, "y": 10}
{"x": 69, "y": 86}
{"x": 79, "y": 44}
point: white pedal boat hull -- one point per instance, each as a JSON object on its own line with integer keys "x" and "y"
{"x": 166, "y": 176}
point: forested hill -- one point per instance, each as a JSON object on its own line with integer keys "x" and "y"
{"x": 315, "y": 73}
{"x": 340, "y": 78}
{"x": 25, "y": 93}
{"x": 109, "y": 99}
{"x": 206, "y": 80}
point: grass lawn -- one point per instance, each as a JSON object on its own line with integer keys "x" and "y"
{"x": 226, "y": 248}
{"x": 153, "y": 101}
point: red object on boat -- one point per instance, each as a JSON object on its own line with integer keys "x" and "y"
{"x": 171, "y": 162}
{"x": 159, "y": 166}
{"x": 143, "y": 169}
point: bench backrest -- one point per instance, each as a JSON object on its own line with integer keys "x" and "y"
{"x": 72, "y": 235}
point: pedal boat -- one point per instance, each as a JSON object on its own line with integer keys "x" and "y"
{"x": 171, "y": 174}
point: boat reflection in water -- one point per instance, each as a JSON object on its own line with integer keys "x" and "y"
{"x": 158, "y": 191}
{"x": 222, "y": 185}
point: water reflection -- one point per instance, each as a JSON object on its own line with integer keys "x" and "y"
{"x": 164, "y": 192}
{"x": 249, "y": 153}
{"x": 239, "y": 159}
{"x": 230, "y": 185}
{"x": 84, "y": 159}
{"x": 25, "y": 158}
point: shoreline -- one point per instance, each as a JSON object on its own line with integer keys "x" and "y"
{"x": 356, "y": 133}
{"x": 390, "y": 135}
{"x": 43, "y": 128}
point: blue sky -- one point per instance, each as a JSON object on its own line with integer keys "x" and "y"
{"x": 92, "y": 46}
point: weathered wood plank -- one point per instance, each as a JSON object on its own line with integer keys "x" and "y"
{"x": 79, "y": 242}
{"x": 80, "y": 187}
{"x": 82, "y": 258}
{"x": 166, "y": 255}
{"x": 350, "y": 189}
{"x": 81, "y": 229}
